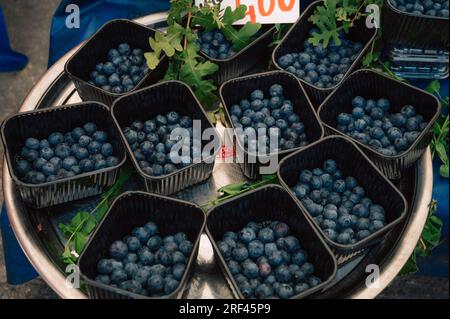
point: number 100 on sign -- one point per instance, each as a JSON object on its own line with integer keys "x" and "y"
{"x": 263, "y": 11}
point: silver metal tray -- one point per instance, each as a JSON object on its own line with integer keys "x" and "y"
{"x": 38, "y": 234}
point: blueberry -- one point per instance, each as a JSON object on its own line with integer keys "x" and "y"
{"x": 269, "y": 248}
{"x": 112, "y": 161}
{"x": 363, "y": 223}
{"x": 103, "y": 279}
{"x": 178, "y": 271}
{"x": 118, "y": 250}
{"x": 87, "y": 165}
{"x": 250, "y": 269}
{"x": 133, "y": 244}
{"x": 154, "y": 243}
{"x": 107, "y": 149}
{"x": 22, "y": 167}
{"x": 155, "y": 284}
{"x": 68, "y": 162}
{"x": 246, "y": 235}
{"x": 276, "y": 90}
{"x": 343, "y": 119}
{"x": 359, "y": 102}
{"x": 401, "y": 144}
{"x": 224, "y": 249}
{"x": 38, "y": 163}
{"x": 48, "y": 169}
{"x": 266, "y": 235}
{"x": 275, "y": 258}
{"x": 118, "y": 276}
{"x": 55, "y": 139}
{"x": 185, "y": 247}
{"x": 146, "y": 257}
{"x": 362, "y": 234}
{"x": 170, "y": 286}
{"x": 239, "y": 253}
{"x": 358, "y": 112}
{"x": 105, "y": 266}
{"x": 291, "y": 244}
{"x": 255, "y": 249}
{"x": 285, "y": 291}
{"x": 32, "y": 143}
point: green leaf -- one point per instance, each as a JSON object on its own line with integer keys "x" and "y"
{"x": 233, "y": 189}
{"x": 269, "y": 178}
{"x": 208, "y": 17}
{"x": 67, "y": 256}
{"x": 79, "y": 242}
{"x": 194, "y": 73}
{"x": 231, "y": 16}
{"x": 441, "y": 151}
{"x": 212, "y": 117}
{"x": 410, "y": 266}
{"x": 244, "y": 36}
{"x": 83, "y": 223}
{"x": 433, "y": 87}
{"x": 168, "y": 43}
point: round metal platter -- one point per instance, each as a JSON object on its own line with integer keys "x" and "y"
{"x": 38, "y": 234}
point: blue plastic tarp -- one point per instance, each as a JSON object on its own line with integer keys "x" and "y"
{"x": 9, "y": 59}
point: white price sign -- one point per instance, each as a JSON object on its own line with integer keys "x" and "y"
{"x": 264, "y": 11}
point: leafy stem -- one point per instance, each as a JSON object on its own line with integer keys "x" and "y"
{"x": 83, "y": 223}
{"x": 233, "y": 190}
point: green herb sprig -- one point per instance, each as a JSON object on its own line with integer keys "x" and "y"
{"x": 232, "y": 190}
{"x": 179, "y": 44}
{"x": 335, "y": 16}
{"x": 440, "y": 143}
{"x": 430, "y": 239}
{"x": 83, "y": 223}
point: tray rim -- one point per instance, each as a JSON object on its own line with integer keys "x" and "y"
{"x": 47, "y": 269}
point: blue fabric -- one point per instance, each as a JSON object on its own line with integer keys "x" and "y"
{"x": 18, "y": 268}
{"x": 93, "y": 14}
{"x": 10, "y": 60}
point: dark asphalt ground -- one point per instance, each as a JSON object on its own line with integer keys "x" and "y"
{"x": 28, "y": 26}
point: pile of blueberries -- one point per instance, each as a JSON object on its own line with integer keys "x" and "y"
{"x": 389, "y": 134}
{"x": 268, "y": 112}
{"x": 319, "y": 66}
{"x": 338, "y": 204}
{"x": 124, "y": 69}
{"x": 215, "y": 45}
{"x": 152, "y": 146}
{"x": 434, "y": 8}
{"x": 146, "y": 263}
{"x": 84, "y": 149}
{"x": 267, "y": 262}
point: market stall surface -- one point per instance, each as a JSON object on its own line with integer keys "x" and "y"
{"x": 29, "y": 24}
